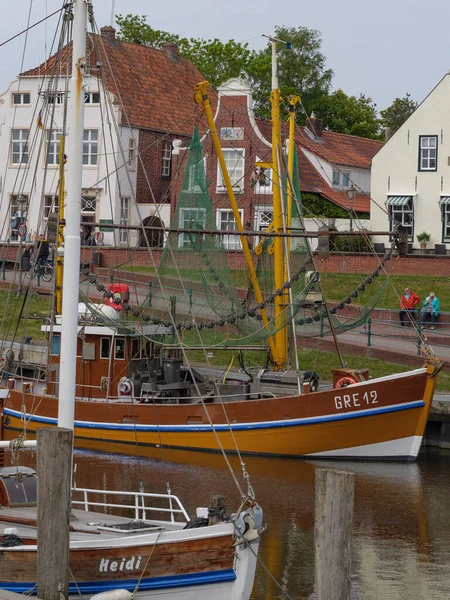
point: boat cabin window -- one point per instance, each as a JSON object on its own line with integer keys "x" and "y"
{"x": 105, "y": 347}
{"x": 135, "y": 349}
{"x": 119, "y": 348}
{"x": 56, "y": 344}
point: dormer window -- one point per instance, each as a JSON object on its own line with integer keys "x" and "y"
{"x": 341, "y": 179}
{"x": 92, "y": 98}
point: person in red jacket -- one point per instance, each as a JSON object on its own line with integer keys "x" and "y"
{"x": 408, "y": 303}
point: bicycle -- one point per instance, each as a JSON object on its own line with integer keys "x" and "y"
{"x": 45, "y": 268}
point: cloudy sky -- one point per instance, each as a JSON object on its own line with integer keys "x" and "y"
{"x": 380, "y": 48}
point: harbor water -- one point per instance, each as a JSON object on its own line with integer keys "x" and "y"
{"x": 401, "y": 533}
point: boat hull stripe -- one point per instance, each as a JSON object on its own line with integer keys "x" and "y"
{"x": 153, "y": 583}
{"x": 234, "y": 426}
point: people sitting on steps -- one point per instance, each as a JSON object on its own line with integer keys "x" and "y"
{"x": 430, "y": 310}
{"x": 408, "y": 303}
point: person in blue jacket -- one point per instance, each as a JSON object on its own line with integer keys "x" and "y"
{"x": 430, "y": 309}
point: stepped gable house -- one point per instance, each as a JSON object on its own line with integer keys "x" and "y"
{"x": 329, "y": 163}
{"x": 149, "y": 91}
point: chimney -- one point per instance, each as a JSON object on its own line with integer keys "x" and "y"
{"x": 108, "y": 33}
{"x": 171, "y": 49}
{"x": 387, "y": 134}
{"x": 315, "y": 126}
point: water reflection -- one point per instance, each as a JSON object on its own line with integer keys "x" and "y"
{"x": 401, "y": 544}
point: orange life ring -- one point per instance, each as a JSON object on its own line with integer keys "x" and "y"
{"x": 344, "y": 382}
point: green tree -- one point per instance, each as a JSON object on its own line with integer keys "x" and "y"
{"x": 302, "y": 69}
{"x": 216, "y": 60}
{"x": 395, "y": 115}
{"x": 348, "y": 114}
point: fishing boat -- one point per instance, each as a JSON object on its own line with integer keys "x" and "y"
{"x": 145, "y": 546}
{"x": 134, "y": 384}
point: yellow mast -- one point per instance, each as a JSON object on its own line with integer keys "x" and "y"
{"x": 280, "y": 337}
{"x": 201, "y": 97}
{"x": 290, "y": 193}
{"x": 60, "y": 239}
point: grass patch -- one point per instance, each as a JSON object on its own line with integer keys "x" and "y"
{"x": 33, "y": 306}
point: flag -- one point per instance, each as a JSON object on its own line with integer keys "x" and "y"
{"x": 39, "y": 122}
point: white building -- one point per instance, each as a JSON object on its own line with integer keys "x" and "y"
{"x": 137, "y": 101}
{"x": 411, "y": 174}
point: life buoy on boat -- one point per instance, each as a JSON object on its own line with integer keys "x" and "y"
{"x": 344, "y": 382}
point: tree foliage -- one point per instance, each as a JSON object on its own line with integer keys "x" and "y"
{"x": 216, "y": 60}
{"x": 348, "y": 114}
{"x": 395, "y": 115}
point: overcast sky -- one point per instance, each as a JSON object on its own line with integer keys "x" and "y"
{"x": 380, "y": 48}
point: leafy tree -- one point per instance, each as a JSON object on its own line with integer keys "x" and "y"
{"x": 302, "y": 69}
{"x": 216, "y": 60}
{"x": 395, "y": 115}
{"x": 348, "y": 114}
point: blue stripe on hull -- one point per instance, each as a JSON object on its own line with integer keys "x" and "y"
{"x": 155, "y": 583}
{"x": 234, "y": 426}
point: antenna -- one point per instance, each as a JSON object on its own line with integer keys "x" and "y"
{"x": 113, "y": 6}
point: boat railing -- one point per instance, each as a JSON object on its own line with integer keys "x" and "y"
{"x": 141, "y": 510}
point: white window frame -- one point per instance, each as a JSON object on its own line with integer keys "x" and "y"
{"x": 192, "y": 172}
{"x": 265, "y": 188}
{"x": 19, "y": 146}
{"x": 259, "y": 224}
{"x": 402, "y": 214}
{"x": 22, "y": 98}
{"x": 132, "y": 156}
{"x": 184, "y": 239}
{"x": 13, "y": 208}
{"x": 166, "y": 164}
{"x": 109, "y": 348}
{"x": 428, "y": 152}
{"x": 230, "y": 242}
{"x": 341, "y": 179}
{"x": 53, "y": 142}
{"x": 90, "y": 141}
{"x": 50, "y": 201}
{"x": 235, "y": 172}
{"x": 124, "y": 218}
{"x": 445, "y": 208}
{"x": 92, "y": 98}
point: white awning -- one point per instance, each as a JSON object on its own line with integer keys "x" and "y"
{"x": 444, "y": 200}
{"x": 398, "y": 200}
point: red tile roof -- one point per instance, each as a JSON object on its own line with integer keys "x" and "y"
{"x": 156, "y": 87}
{"x": 340, "y": 149}
{"x": 311, "y": 181}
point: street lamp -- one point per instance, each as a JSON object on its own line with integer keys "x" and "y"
{"x": 22, "y": 203}
{"x": 351, "y": 193}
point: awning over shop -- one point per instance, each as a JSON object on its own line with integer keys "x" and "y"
{"x": 398, "y": 200}
{"x": 444, "y": 200}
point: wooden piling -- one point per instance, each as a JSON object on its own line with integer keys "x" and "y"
{"x": 54, "y": 466}
{"x": 333, "y": 533}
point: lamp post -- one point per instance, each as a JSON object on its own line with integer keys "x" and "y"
{"x": 351, "y": 193}
{"x": 22, "y": 205}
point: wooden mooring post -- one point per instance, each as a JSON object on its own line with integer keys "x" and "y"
{"x": 54, "y": 469}
{"x": 333, "y": 534}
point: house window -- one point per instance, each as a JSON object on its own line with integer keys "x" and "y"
{"x": 105, "y": 347}
{"x": 92, "y": 98}
{"x": 131, "y": 153}
{"x": 191, "y": 218}
{"x": 88, "y": 212}
{"x": 124, "y": 216}
{"x": 90, "y": 146}
{"x": 56, "y": 344}
{"x": 263, "y": 219}
{"x": 194, "y": 179}
{"x": 18, "y": 208}
{"x": 428, "y": 152}
{"x": 341, "y": 179}
{"x": 20, "y": 98}
{"x": 263, "y": 180}
{"x": 234, "y": 161}
{"x": 50, "y": 205}
{"x": 53, "y": 138}
{"x": 119, "y": 351}
{"x": 402, "y": 214}
{"x": 227, "y": 222}
{"x": 19, "y": 146}
{"x": 54, "y": 97}
{"x": 166, "y": 159}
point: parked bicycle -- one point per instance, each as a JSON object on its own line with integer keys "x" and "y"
{"x": 45, "y": 269}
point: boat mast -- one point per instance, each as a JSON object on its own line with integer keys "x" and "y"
{"x": 281, "y": 302}
{"x": 60, "y": 237}
{"x": 72, "y": 240}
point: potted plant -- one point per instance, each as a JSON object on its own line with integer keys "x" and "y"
{"x": 423, "y": 238}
